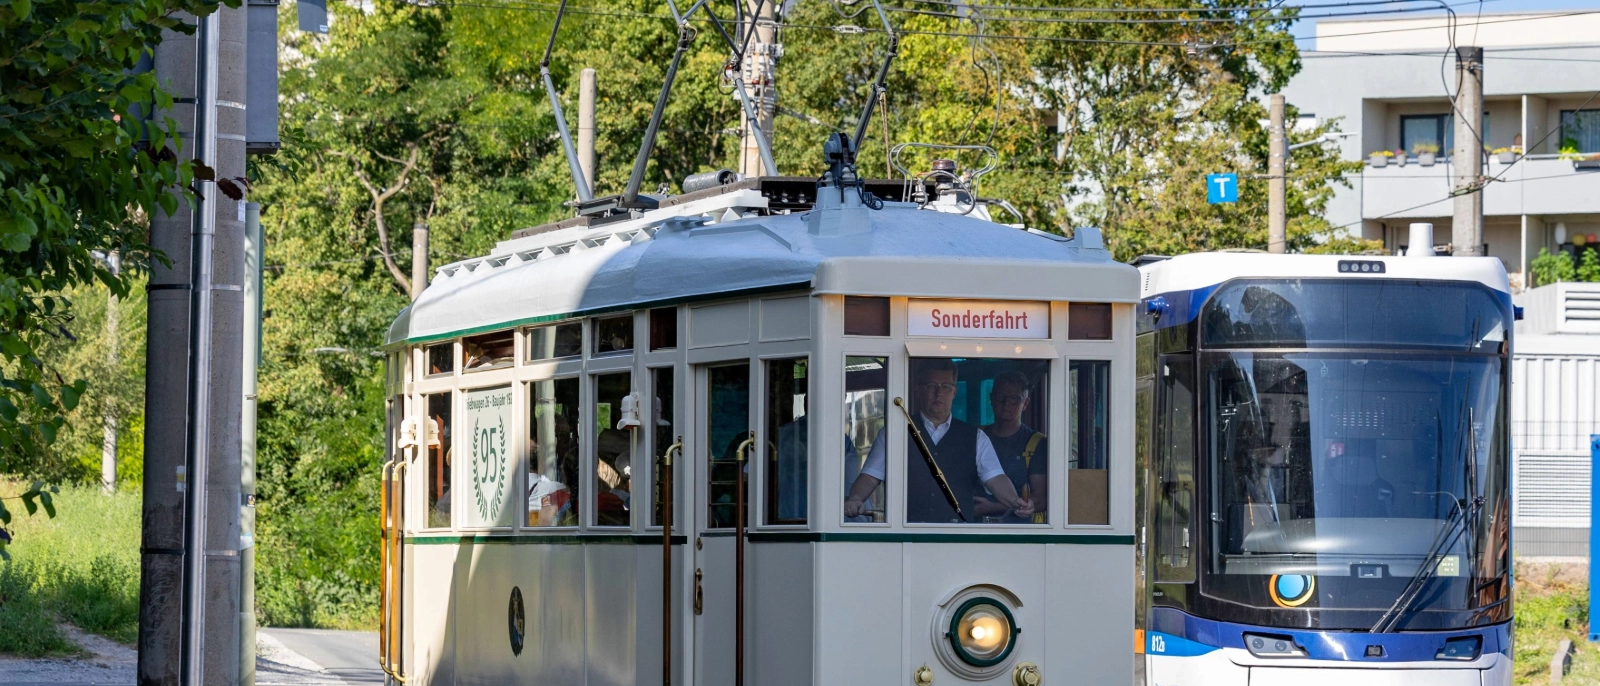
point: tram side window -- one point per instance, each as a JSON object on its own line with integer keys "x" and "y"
{"x": 489, "y": 351}
{"x": 552, "y": 342}
{"x": 553, "y": 450}
{"x": 613, "y": 465}
{"x": 788, "y": 460}
{"x": 1089, "y": 322}
{"x": 663, "y": 328}
{"x": 613, "y": 335}
{"x": 975, "y": 419}
{"x": 727, "y": 426}
{"x": 1088, "y": 431}
{"x": 441, "y": 359}
{"x": 866, "y": 316}
{"x": 1175, "y": 472}
{"x": 665, "y": 431}
{"x": 439, "y": 458}
{"x": 866, "y": 403}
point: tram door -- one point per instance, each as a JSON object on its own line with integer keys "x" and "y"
{"x": 723, "y": 403}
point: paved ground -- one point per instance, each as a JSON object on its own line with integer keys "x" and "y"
{"x": 284, "y": 657}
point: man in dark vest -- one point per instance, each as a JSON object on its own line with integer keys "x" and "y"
{"x": 963, "y": 453}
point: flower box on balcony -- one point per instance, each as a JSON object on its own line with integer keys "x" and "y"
{"x": 1586, "y": 165}
{"x": 1378, "y": 161}
{"x": 1506, "y": 157}
{"x": 1426, "y": 159}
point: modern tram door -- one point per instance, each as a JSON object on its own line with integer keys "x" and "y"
{"x": 723, "y": 407}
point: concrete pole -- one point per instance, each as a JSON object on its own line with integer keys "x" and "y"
{"x": 108, "y": 412}
{"x": 586, "y": 93}
{"x": 1277, "y": 186}
{"x": 419, "y": 259}
{"x": 178, "y": 63}
{"x": 1466, "y": 160}
{"x": 758, "y": 70}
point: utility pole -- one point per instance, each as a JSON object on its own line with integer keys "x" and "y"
{"x": 586, "y": 93}
{"x": 1466, "y": 231}
{"x": 1277, "y": 187}
{"x": 419, "y": 259}
{"x": 189, "y": 594}
{"x": 758, "y": 70}
{"x": 108, "y": 411}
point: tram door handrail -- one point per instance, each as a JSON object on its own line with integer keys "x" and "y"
{"x": 666, "y": 561}
{"x": 741, "y": 460}
{"x": 384, "y": 531}
{"x": 391, "y": 585}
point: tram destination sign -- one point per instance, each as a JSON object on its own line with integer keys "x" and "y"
{"x": 978, "y": 319}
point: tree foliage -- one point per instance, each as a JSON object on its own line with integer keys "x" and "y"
{"x": 74, "y": 182}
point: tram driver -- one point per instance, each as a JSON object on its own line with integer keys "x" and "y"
{"x": 964, "y": 454}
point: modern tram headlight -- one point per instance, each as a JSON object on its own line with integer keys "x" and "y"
{"x": 982, "y": 632}
{"x": 1263, "y": 645}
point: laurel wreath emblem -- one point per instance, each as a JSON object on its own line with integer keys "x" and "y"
{"x": 485, "y": 454}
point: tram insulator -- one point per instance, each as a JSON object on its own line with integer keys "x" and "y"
{"x": 710, "y": 179}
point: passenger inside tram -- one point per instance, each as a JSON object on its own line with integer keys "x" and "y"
{"x": 1022, "y": 450}
{"x": 964, "y": 454}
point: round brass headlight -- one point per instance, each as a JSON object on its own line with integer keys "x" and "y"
{"x": 982, "y": 632}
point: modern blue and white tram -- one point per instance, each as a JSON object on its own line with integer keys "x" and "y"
{"x": 1325, "y": 489}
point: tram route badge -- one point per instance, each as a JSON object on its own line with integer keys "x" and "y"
{"x": 489, "y": 467}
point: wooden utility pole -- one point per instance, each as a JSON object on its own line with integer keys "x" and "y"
{"x": 1466, "y": 231}
{"x": 758, "y": 70}
{"x": 586, "y": 94}
{"x": 419, "y": 259}
{"x": 108, "y": 411}
{"x": 1277, "y": 186}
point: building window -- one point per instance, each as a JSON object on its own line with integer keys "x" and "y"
{"x": 1580, "y": 129}
{"x": 1435, "y": 129}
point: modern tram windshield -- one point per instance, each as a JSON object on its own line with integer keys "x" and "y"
{"x": 1352, "y": 431}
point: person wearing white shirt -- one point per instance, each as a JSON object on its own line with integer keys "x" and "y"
{"x": 964, "y": 454}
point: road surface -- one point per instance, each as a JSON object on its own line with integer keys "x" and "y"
{"x": 284, "y": 657}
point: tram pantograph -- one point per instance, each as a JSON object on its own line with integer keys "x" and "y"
{"x": 1325, "y": 480}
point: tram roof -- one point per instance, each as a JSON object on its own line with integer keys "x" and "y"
{"x": 665, "y": 257}
{"x": 1198, "y": 271}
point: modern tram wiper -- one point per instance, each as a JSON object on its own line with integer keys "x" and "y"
{"x": 1462, "y": 520}
{"x": 927, "y": 456}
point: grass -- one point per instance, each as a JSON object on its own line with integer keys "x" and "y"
{"x": 1553, "y": 604}
{"x": 81, "y": 566}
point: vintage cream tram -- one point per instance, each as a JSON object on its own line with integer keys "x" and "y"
{"x": 744, "y": 361}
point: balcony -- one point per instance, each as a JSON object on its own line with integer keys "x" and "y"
{"x": 1537, "y": 185}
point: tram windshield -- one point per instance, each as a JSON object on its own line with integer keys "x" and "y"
{"x": 1336, "y": 473}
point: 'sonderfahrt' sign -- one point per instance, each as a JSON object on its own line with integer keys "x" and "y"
{"x": 978, "y": 319}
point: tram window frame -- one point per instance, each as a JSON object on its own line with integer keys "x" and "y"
{"x": 875, "y": 501}
{"x": 774, "y": 439}
{"x": 869, "y": 316}
{"x": 504, "y": 340}
{"x": 534, "y": 463}
{"x": 605, "y": 422}
{"x": 1077, "y": 514}
{"x": 662, "y": 436}
{"x": 1090, "y": 322}
{"x": 438, "y": 467}
{"x": 624, "y": 334}
{"x": 439, "y": 353}
{"x": 1175, "y": 534}
{"x": 663, "y": 326}
{"x": 532, "y": 342}
{"x": 724, "y": 448}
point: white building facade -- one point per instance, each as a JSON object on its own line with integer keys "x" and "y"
{"x": 1386, "y": 82}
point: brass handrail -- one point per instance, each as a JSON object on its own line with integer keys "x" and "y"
{"x": 397, "y": 558}
{"x": 666, "y": 561}
{"x": 741, "y": 459}
{"x": 383, "y": 567}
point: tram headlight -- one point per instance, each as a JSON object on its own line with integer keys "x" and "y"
{"x": 1461, "y": 648}
{"x": 1262, "y": 645}
{"x": 982, "y": 632}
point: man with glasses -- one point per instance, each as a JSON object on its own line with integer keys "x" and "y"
{"x": 964, "y": 454}
{"x": 1023, "y": 451}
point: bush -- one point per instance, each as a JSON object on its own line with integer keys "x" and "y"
{"x": 27, "y": 625}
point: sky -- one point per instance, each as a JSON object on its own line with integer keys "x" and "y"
{"x": 1307, "y": 30}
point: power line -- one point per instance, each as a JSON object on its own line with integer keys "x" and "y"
{"x": 1189, "y": 20}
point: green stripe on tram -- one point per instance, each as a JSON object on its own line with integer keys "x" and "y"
{"x": 778, "y": 537}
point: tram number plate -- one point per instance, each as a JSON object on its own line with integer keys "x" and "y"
{"x": 978, "y": 319}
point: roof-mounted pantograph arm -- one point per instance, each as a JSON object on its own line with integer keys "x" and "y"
{"x": 686, "y": 36}
{"x": 738, "y": 84}
{"x": 578, "y": 181}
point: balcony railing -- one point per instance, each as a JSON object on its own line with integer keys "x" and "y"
{"x": 1535, "y": 184}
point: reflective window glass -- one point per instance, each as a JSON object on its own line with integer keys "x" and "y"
{"x": 787, "y": 457}
{"x": 866, "y": 404}
{"x": 1174, "y": 471}
{"x": 441, "y": 359}
{"x": 663, "y": 328}
{"x": 613, "y": 466}
{"x": 727, "y": 426}
{"x": 665, "y": 432}
{"x": 975, "y": 449}
{"x": 553, "y": 450}
{"x": 1088, "y": 432}
{"x": 613, "y": 335}
{"x": 439, "y": 458}
{"x": 866, "y": 316}
{"x": 551, "y": 342}
{"x": 1089, "y": 321}
{"x": 488, "y": 351}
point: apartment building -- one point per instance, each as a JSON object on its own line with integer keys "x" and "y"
{"x": 1386, "y": 82}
